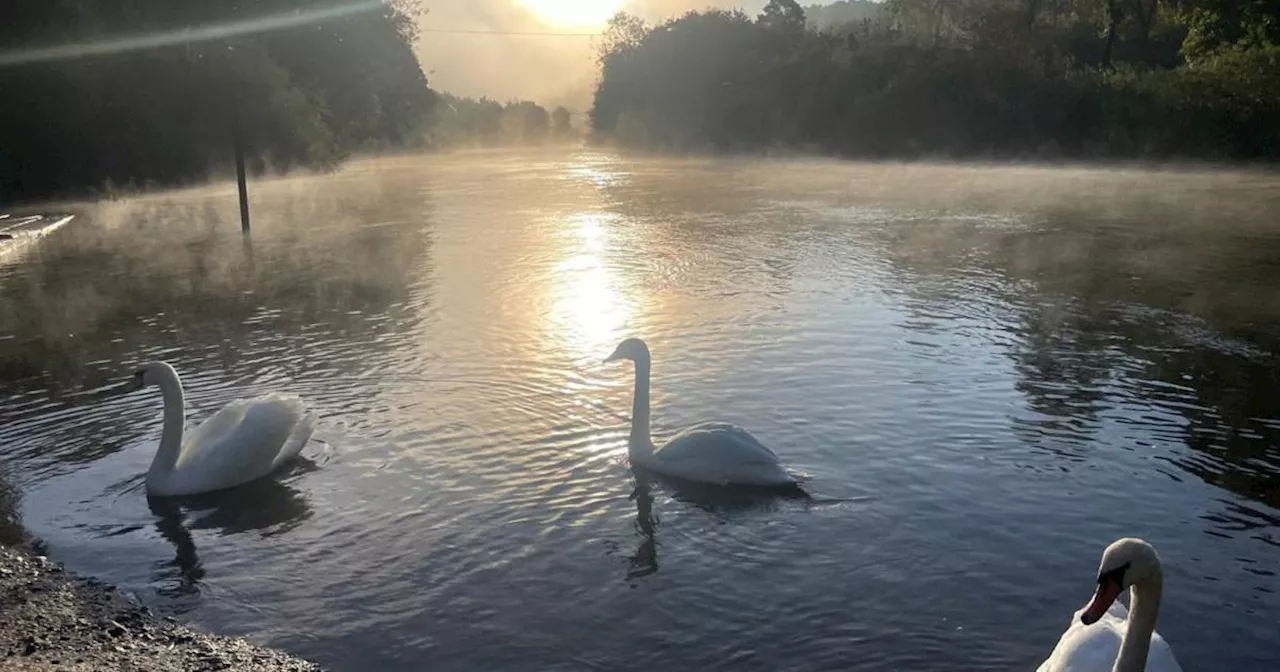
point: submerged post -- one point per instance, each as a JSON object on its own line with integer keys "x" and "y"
{"x": 240, "y": 181}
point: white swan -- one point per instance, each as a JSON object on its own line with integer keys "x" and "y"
{"x": 246, "y": 440}
{"x": 1103, "y": 635}
{"x": 713, "y": 452}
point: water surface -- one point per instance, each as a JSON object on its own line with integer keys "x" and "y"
{"x": 988, "y": 373}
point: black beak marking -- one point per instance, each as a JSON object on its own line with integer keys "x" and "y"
{"x": 1116, "y": 575}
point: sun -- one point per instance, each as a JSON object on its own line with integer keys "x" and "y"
{"x": 574, "y": 13}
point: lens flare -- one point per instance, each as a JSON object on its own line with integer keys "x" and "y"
{"x": 217, "y": 31}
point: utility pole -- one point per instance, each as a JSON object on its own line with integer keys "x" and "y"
{"x": 238, "y": 141}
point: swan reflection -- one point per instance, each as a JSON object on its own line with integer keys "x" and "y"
{"x": 266, "y": 506}
{"x": 720, "y": 501}
{"x": 644, "y": 562}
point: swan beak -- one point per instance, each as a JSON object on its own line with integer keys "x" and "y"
{"x": 1108, "y": 590}
{"x": 611, "y": 358}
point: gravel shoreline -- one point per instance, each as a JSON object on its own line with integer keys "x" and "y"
{"x": 51, "y": 619}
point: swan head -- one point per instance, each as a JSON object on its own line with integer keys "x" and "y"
{"x": 152, "y": 373}
{"x": 632, "y": 349}
{"x": 1124, "y": 563}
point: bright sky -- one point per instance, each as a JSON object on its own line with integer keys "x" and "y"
{"x": 574, "y": 13}
{"x": 550, "y": 70}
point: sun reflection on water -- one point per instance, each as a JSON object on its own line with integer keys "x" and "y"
{"x": 599, "y": 175}
{"x": 589, "y": 309}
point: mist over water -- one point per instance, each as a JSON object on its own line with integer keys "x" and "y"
{"x": 556, "y": 69}
{"x": 988, "y": 372}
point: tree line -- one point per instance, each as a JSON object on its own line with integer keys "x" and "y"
{"x": 469, "y": 122}
{"x": 298, "y": 83}
{"x": 305, "y": 93}
{"x": 950, "y": 78}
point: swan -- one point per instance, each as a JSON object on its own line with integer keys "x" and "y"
{"x": 1103, "y": 635}
{"x": 246, "y": 440}
{"x": 716, "y": 452}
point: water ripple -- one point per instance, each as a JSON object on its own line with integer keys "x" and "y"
{"x": 985, "y": 379}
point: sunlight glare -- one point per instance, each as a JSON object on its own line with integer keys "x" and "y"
{"x": 588, "y": 307}
{"x": 574, "y": 13}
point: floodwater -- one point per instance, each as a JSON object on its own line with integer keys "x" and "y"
{"x": 987, "y": 374}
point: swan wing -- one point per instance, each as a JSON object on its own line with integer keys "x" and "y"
{"x": 244, "y": 441}
{"x": 212, "y": 431}
{"x": 1161, "y": 658}
{"x": 745, "y": 440}
{"x": 298, "y": 438}
{"x": 720, "y": 453}
{"x": 715, "y": 441}
{"x": 1086, "y": 648}
{"x": 1094, "y": 648}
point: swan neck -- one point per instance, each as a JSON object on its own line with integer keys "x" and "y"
{"x": 640, "y": 407}
{"x": 1144, "y": 606}
{"x": 171, "y": 436}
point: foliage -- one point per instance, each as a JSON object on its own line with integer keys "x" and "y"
{"x": 561, "y": 124}
{"x": 468, "y": 122}
{"x": 1217, "y": 24}
{"x": 302, "y": 95}
{"x": 1034, "y": 78}
{"x": 782, "y": 15}
{"x": 842, "y": 14}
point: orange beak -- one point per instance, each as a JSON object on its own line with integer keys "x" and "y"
{"x": 1102, "y": 600}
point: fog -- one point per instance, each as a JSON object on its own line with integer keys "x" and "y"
{"x": 550, "y": 70}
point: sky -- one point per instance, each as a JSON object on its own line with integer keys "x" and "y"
{"x": 549, "y": 70}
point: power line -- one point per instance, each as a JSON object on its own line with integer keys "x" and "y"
{"x": 516, "y": 33}
{"x": 231, "y": 29}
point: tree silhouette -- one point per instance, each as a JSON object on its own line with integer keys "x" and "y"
{"x": 561, "y": 124}
{"x": 782, "y": 15}
{"x": 304, "y": 94}
{"x": 1005, "y": 78}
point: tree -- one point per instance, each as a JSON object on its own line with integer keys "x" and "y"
{"x": 989, "y": 78}
{"x": 623, "y": 32}
{"x": 537, "y": 122}
{"x": 1217, "y": 24}
{"x": 306, "y": 94}
{"x": 931, "y": 21}
{"x": 460, "y": 122}
{"x": 784, "y": 15}
{"x": 1114, "y": 16}
{"x": 837, "y": 15}
{"x": 562, "y": 123}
